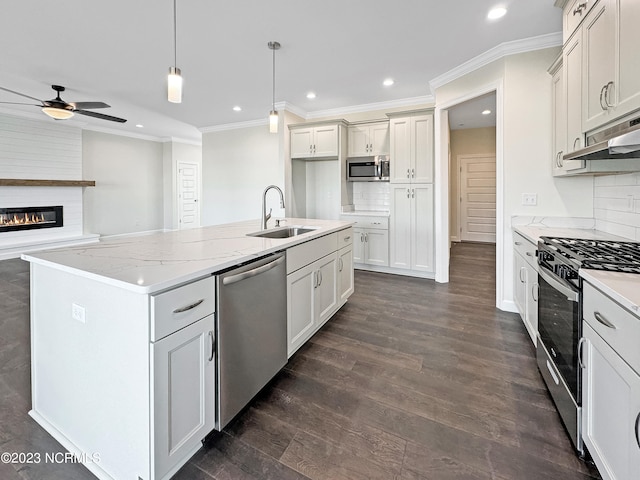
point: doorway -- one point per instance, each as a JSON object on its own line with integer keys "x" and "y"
{"x": 188, "y": 195}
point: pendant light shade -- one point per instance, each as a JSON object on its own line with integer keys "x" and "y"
{"x": 174, "y": 81}
{"x": 273, "y": 114}
{"x": 58, "y": 113}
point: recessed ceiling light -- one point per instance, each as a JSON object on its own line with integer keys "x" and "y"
{"x": 139, "y": 125}
{"x": 486, "y": 112}
{"x": 388, "y": 82}
{"x": 237, "y": 109}
{"x": 311, "y": 95}
{"x": 496, "y": 13}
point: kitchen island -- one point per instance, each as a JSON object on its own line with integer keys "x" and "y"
{"x": 123, "y": 336}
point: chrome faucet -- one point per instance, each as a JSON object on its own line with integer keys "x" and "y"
{"x": 266, "y": 216}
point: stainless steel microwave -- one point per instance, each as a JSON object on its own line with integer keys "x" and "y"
{"x": 368, "y": 169}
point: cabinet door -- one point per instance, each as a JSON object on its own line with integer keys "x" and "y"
{"x": 598, "y": 47}
{"x": 325, "y": 143}
{"x": 400, "y": 228}
{"x": 628, "y": 83}
{"x": 358, "y": 141}
{"x": 422, "y": 227}
{"x": 377, "y": 247}
{"x": 400, "y": 150}
{"x": 610, "y": 409}
{"x": 559, "y": 128}
{"x": 520, "y": 284}
{"x": 301, "y": 308}
{"x": 183, "y": 402}
{"x": 358, "y": 245}
{"x": 301, "y": 143}
{"x": 379, "y": 138}
{"x": 345, "y": 273}
{"x": 422, "y": 149}
{"x": 326, "y": 287}
{"x": 572, "y": 68}
{"x": 531, "y": 303}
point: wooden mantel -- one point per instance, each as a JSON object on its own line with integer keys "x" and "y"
{"x": 17, "y": 182}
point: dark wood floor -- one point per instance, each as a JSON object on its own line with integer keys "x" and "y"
{"x": 410, "y": 380}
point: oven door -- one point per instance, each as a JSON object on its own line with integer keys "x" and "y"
{"x": 560, "y": 326}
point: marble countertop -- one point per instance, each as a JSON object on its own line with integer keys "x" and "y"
{"x": 367, "y": 213}
{"x": 533, "y": 233}
{"x": 624, "y": 288}
{"x": 154, "y": 262}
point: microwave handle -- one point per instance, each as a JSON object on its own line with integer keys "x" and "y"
{"x": 379, "y": 169}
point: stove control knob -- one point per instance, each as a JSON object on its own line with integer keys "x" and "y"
{"x": 544, "y": 256}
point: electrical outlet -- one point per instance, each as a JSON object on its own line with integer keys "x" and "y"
{"x": 77, "y": 312}
{"x": 530, "y": 199}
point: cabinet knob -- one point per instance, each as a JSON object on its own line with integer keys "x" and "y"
{"x": 579, "y": 9}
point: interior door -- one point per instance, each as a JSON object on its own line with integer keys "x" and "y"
{"x": 478, "y": 198}
{"x": 188, "y": 193}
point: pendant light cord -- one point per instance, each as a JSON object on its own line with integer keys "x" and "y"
{"x": 175, "y": 35}
{"x": 273, "y": 104}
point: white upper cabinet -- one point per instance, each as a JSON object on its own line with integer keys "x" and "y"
{"x": 368, "y": 139}
{"x": 411, "y": 148}
{"x": 611, "y": 70}
{"x": 572, "y": 74}
{"x": 315, "y": 142}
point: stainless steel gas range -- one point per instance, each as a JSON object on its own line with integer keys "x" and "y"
{"x": 560, "y": 314}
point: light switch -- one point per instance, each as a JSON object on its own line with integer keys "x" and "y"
{"x": 77, "y": 312}
{"x": 530, "y": 199}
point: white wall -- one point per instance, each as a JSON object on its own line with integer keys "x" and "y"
{"x": 41, "y": 150}
{"x": 617, "y": 204}
{"x": 526, "y": 149}
{"x": 237, "y": 165}
{"x": 128, "y": 196}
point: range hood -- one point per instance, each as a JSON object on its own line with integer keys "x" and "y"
{"x": 617, "y": 142}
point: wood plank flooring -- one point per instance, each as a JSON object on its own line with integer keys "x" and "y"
{"x": 410, "y": 380}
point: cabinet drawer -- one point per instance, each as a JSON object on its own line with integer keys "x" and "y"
{"x": 308, "y": 252}
{"x": 345, "y": 237}
{"x": 527, "y": 249}
{"x": 625, "y": 337}
{"x": 177, "y": 308}
{"x": 366, "y": 221}
{"x": 573, "y": 14}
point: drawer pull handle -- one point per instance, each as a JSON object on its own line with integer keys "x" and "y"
{"x": 602, "y": 319}
{"x": 579, "y": 9}
{"x": 346, "y": 239}
{"x": 638, "y": 428}
{"x": 553, "y": 374}
{"x": 529, "y": 254}
{"x": 213, "y": 345}
{"x": 518, "y": 243}
{"x": 188, "y": 307}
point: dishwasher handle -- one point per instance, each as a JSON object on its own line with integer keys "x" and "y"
{"x": 231, "y": 279}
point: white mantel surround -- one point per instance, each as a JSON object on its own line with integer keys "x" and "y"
{"x": 41, "y": 150}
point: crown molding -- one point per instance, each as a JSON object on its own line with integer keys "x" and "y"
{"x": 368, "y": 107}
{"x": 234, "y": 126}
{"x": 186, "y": 141}
{"x": 122, "y": 133}
{"x": 496, "y": 53}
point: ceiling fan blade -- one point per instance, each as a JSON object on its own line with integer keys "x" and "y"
{"x": 84, "y": 105}
{"x": 22, "y": 94}
{"x": 20, "y": 103}
{"x": 100, "y": 115}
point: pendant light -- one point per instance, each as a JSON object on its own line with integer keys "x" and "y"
{"x": 174, "y": 84}
{"x": 273, "y": 114}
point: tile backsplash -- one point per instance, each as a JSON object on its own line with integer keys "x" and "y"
{"x": 371, "y": 196}
{"x": 617, "y": 204}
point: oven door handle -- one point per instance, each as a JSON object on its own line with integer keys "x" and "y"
{"x": 571, "y": 294}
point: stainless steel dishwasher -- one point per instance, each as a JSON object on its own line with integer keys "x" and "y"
{"x": 252, "y": 332}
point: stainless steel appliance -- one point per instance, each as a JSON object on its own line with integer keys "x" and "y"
{"x": 368, "y": 169}
{"x": 621, "y": 140}
{"x": 251, "y": 332}
{"x": 560, "y": 315}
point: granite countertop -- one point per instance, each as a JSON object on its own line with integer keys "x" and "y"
{"x": 153, "y": 262}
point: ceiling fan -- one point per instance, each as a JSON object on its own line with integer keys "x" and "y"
{"x": 61, "y": 110}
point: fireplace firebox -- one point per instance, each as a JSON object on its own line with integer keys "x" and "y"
{"x": 28, "y": 218}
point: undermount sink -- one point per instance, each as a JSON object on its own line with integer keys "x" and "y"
{"x": 283, "y": 232}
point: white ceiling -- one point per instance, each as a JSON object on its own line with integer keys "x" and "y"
{"x": 119, "y": 52}
{"x": 469, "y": 114}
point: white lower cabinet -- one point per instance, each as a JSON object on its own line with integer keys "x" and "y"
{"x": 371, "y": 246}
{"x": 525, "y": 281}
{"x": 611, "y": 386}
{"x": 411, "y": 242}
{"x": 183, "y": 400}
{"x": 319, "y": 281}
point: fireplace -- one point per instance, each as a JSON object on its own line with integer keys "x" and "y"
{"x": 29, "y": 218}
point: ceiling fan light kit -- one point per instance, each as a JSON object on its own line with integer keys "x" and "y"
{"x": 58, "y": 113}
{"x": 273, "y": 114}
{"x": 174, "y": 81}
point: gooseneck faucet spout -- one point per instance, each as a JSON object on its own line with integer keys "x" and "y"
{"x": 266, "y": 216}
